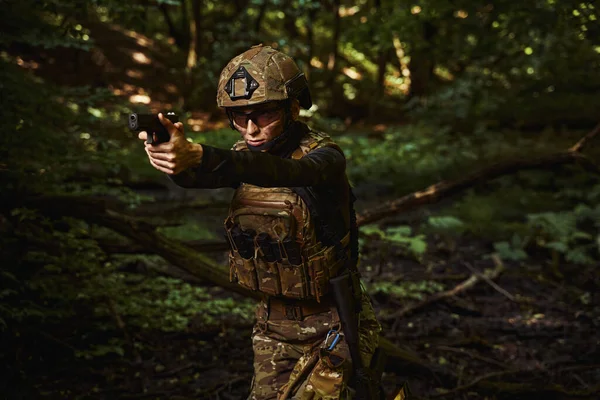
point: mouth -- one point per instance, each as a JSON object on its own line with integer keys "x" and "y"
{"x": 256, "y": 142}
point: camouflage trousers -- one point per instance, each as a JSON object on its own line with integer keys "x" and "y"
{"x": 292, "y": 362}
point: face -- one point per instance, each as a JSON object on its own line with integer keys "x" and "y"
{"x": 259, "y": 124}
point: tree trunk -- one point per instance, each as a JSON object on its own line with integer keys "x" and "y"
{"x": 337, "y": 96}
{"x": 185, "y": 25}
{"x": 144, "y": 17}
{"x": 181, "y": 40}
{"x": 421, "y": 62}
{"x": 310, "y": 36}
{"x": 195, "y": 27}
{"x": 289, "y": 22}
{"x": 261, "y": 14}
{"x": 333, "y": 55}
{"x": 241, "y": 6}
{"x": 382, "y": 57}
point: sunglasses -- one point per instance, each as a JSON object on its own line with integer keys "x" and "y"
{"x": 260, "y": 117}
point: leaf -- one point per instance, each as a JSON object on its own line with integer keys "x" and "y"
{"x": 402, "y": 230}
{"x": 578, "y": 255}
{"x": 585, "y": 298}
{"x": 418, "y": 245}
{"x": 372, "y": 229}
{"x": 446, "y": 223}
{"x": 507, "y": 252}
{"x": 594, "y": 193}
{"x": 561, "y": 247}
{"x": 582, "y": 235}
{"x": 8, "y": 275}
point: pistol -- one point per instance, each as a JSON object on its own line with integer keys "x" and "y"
{"x": 151, "y": 124}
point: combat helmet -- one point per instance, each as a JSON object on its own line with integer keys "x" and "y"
{"x": 262, "y": 74}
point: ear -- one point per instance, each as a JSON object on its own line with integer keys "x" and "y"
{"x": 295, "y": 109}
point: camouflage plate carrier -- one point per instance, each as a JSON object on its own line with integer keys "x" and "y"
{"x": 274, "y": 246}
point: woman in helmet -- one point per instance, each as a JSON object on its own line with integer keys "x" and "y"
{"x": 291, "y": 227}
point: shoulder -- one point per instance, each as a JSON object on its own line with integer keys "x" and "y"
{"x": 312, "y": 140}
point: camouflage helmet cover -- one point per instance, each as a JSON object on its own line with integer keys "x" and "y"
{"x": 261, "y": 74}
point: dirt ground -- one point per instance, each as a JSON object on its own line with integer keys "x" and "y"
{"x": 522, "y": 335}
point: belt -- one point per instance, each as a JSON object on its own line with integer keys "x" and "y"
{"x": 296, "y": 310}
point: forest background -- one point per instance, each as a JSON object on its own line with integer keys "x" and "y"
{"x": 113, "y": 280}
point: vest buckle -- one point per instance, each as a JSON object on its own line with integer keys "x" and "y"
{"x": 293, "y": 313}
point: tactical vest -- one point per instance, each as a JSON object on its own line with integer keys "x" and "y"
{"x": 274, "y": 244}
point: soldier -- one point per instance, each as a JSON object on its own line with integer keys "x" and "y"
{"x": 292, "y": 230}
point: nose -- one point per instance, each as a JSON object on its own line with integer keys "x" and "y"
{"x": 251, "y": 128}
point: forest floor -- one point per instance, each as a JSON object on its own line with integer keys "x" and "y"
{"x": 529, "y": 332}
{"x": 526, "y": 333}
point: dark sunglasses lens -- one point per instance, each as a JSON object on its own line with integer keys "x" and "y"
{"x": 267, "y": 116}
{"x": 261, "y": 117}
{"x": 240, "y": 119}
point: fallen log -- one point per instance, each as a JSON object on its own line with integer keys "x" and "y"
{"x": 444, "y": 189}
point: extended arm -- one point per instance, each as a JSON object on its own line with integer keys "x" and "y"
{"x": 192, "y": 165}
{"x": 227, "y": 168}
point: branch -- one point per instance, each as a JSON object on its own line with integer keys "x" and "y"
{"x": 436, "y": 192}
{"x": 461, "y": 287}
{"x": 579, "y": 145}
{"x": 489, "y": 281}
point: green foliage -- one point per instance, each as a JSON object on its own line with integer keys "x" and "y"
{"x": 410, "y": 157}
{"x": 64, "y": 140}
{"x": 76, "y": 271}
{"x": 406, "y": 289}
{"x": 171, "y": 305}
{"x": 501, "y": 61}
{"x": 467, "y": 100}
{"x": 222, "y": 138}
{"x": 512, "y": 250}
{"x": 190, "y": 230}
{"x": 446, "y": 224}
{"x": 44, "y": 24}
{"x": 406, "y": 158}
{"x": 574, "y": 234}
{"x": 399, "y": 235}
{"x": 114, "y": 346}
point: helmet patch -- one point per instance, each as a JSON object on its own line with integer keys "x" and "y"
{"x": 241, "y": 85}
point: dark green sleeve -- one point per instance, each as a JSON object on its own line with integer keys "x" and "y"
{"x": 228, "y": 168}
